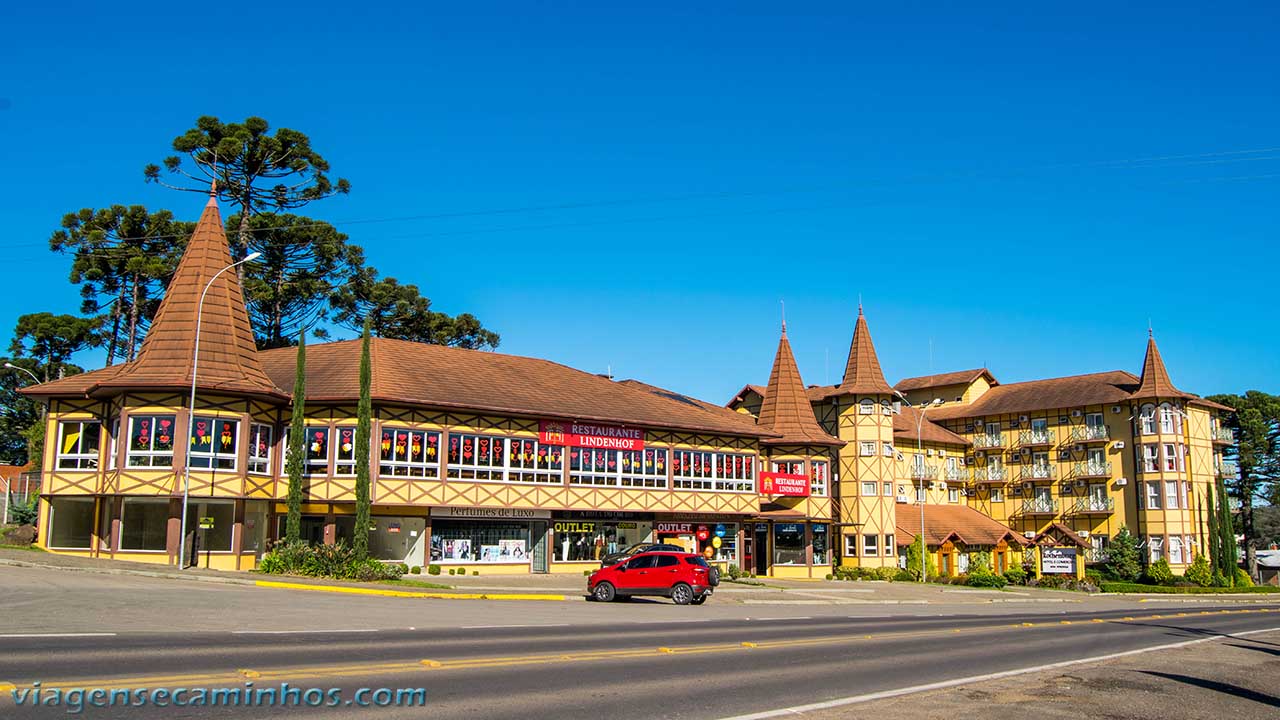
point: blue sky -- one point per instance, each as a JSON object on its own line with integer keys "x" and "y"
{"x": 1001, "y": 184}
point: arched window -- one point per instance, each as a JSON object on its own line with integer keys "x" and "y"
{"x": 1166, "y": 418}
{"x": 867, "y": 406}
{"x": 1148, "y": 419}
{"x": 885, "y": 408}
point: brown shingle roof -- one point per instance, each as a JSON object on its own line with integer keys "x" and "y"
{"x": 1064, "y": 392}
{"x": 960, "y": 377}
{"x": 1155, "y": 381}
{"x": 862, "y": 373}
{"x": 904, "y": 428}
{"x": 947, "y": 522}
{"x": 442, "y": 377}
{"x": 786, "y": 411}
{"x": 228, "y": 355}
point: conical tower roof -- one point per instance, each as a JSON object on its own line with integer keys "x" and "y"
{"x": 862, "y": 373}
{"x": 1155, "y": 378}
{"x": 228, "y": 355}
{"x": 786, "y": 410}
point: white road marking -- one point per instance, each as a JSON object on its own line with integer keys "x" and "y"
{"x": 297, "y": 632}
{"x": 857, "y": 699}
{"x": 57, "y": 635}
{"x": 495, "y": 627}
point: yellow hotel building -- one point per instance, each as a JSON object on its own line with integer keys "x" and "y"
{"x": 516, "y": 465}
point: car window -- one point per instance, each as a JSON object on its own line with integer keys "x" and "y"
{"x": 667, "y": 561}
{"x": 696, "y": 560}
{"x": 640, "y": 563}
{"x": 637, "y": 548}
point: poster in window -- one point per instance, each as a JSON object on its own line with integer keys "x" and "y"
{"x": 511, "y": 550}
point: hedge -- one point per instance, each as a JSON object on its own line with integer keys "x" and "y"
{"x": 1122, "y": 587}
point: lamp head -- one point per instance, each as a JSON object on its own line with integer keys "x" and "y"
{"x": 251, "y": 256}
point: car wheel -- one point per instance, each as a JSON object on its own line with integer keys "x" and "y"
{"x": 681, "y": 594}
{"x": 713, "y": 577}
{"x": 700, "y": 599}
{"x": 604, "y": 592}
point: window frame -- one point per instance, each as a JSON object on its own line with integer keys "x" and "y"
{"x": 151, "y": 453}
{"x": 819, "y": 477}
{"x": 424, "y": 468}
{"x": 259, "y": 464}
{"x": 124, "y": 514}
{"x": 82, "y": 460}
{"x": 871, "y": 549}
{"x": 875, "y": 488}
{"x": 214, "y": 456}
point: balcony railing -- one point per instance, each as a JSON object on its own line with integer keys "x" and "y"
{"x": 990, "y": 475}
{"x": 1089, "y": 505}
{"x": 1030, "y": 438}
{"x": 1223, "y": 435}
{"x": 1090, "y": 433}
{"x": 925, "y": 472}
{"x": 1037, "y": 472}
{"x": 1227, "y": 471}
{"x": 1096, "y": 555}
{"x": 1091, "y": 470}
{"x": 954, "y": 474}
{"x": 986, "y": 441}
{"x": 1039, "y": 506}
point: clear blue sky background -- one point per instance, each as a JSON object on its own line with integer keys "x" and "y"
{"x": 982, "y": 174}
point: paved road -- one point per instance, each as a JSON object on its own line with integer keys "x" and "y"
{"x": 702, "y": 667}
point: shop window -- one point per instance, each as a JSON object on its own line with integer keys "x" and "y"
{"x": 851, "y": 546}
{"x": 397, "y": 538}
{"x": 218, "y": 537}
{"x": 144, "y": 525}
{"x": 819, "y": 471}
{"x": 150, "y": 441}
{"x": 460, "y": 541}
{"x": 344, "y": 451}
{"x": 869, "y": 545}
{"x": 78, "y": 443}
{"x": 70, "y": 523}
{"x": 788, "y": 544}
{"x": 589, "y": 541}
{"x": 409, "y": 453}
{"x": 820, "y": 545}
{"x": 721, "y": 544}
{"x": 213, "y": 443}
{"x": 317, "y": 449}
{"x": 588, "y": 466}
{"x": 260, "y": 449}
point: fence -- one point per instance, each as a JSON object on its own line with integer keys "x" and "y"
{"x": 17, "y": 491}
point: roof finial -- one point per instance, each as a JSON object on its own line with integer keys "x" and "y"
{"x": 1151, "y": 334}
{"x": 784, "y": 317}
{"x": 859, "y": 303}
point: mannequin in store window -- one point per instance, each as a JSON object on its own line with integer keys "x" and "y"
{"x": 580, "y": 548}
{"x": 564, "y": 548}
{"x": 599, "y": 545}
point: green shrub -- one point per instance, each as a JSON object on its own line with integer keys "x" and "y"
{"x": 1199, "y": 573}
{"x": 26, "y": 513}
{"x": 415, "y": 570}
{"x": 433, "y": 569}
{"x": 1123, "y": 559}
{"x": 336, "y": 561}
{"x": 451, "y": 570}
{"x": 1016, "y": 575}
{"x": 473, "y": 572}
{"x": 1242, "y": 579}
{"x": 1158, "y": 573}
{"x": 1119, "y": 587}
{"x": 904, "y": 576}
{"x": 1094, "y": 576}
{"x": 829, "y": 576}
{"x": 986, "y": 579}
{"x": 885, "y": 573}
{"x": 1218, "y": 580}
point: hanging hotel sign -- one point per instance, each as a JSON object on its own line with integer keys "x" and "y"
{"x": 772, "y": 483}
{"x": 586, "y": 435}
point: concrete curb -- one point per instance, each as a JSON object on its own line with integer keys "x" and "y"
{"x": 129, "y": 571}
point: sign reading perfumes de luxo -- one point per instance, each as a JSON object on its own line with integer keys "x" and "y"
{"x": 489, "y": 513}
{"x": 574, "y": 434}
{"x": 1057, "y": 561}
{"x": 772, "y": 483}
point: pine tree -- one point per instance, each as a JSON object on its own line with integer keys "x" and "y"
{"x": 295, "y": 454}
{"x": 364, "y": 413}
{"x": 1122, "y": 557}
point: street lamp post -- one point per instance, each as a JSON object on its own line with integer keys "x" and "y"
{"x": 922, "y": 496}
{"x": 11, "y": 366}
{"x": 191, "y": 411}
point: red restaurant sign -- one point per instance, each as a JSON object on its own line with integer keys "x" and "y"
{"x": 608, "y": 437}
{"x": 772, "y": 483}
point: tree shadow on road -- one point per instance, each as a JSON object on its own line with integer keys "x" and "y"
{"x": 1269, "y": 651}
{"x": 1216, "y": 686}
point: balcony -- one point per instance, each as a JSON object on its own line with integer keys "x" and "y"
{"x": 1039, "y": 506}
{"x": 1037, "y": 472}
{"x": 1094, "y": 506}
{"x": 1035, "y": 438}
{"x": 1091, "y": 470}
{"x": 988, "y": 441}
{"x": 1096, "y": 555}
{"x": 990, "y": 476}
{"x": 1226, "y": 471}
{"x": 955, "y": 474}
{"x": 925, "y": 472}
{"x": 1091, "y": 434}
{"x": 1222, "y": 436}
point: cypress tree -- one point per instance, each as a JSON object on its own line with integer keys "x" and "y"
{"x": 1215, "y": 538}
{"x": 295, "y": 452}
{"x": 364, "y": 413}
{"x": 1230, "y": 550}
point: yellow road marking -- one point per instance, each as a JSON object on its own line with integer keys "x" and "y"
{"x": 749, "y": 645}
{"x": 251, "y": 674}
{"x": 406, "y": 593}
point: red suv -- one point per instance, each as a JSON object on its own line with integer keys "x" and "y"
{"x": 684, "y": 577}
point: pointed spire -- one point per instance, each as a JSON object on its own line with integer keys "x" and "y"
{"x": 786, "y": 409}
{"x": 228, "y": 354}
{"x": 862, "y": 373}
{"x": 1155, "y": 378}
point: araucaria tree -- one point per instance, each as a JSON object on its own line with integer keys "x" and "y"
{"x": 364, "y": 421}
{"x": 53, "y": 339}
{"x": 256, "y": 170}
{"x": 295, "y": 454}
{"x": 401, "y": 312}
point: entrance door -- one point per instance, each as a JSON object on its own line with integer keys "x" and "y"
{"x": 761, "y": 550}
{"x": 538, "y": 541}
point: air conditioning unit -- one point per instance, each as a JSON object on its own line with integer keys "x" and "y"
{"x": 1080, "y": 483}
{"x": 899, "y": 456}
{"x": 1077, "y": 448}
{"x": 979, "y": 454}
{"x": 1122, "y": 482}
{"x": 1116, "y": 410}
{"x": 1120, "y": 445}
{"x": 1083, "y": 533}
{"x": 902, "y": 499}
{"x": 929, "y": 452}
{"x": 1022, "y": 418}
{"x": 1026, "y": 451}
{"x": 1029, "y": 534}
{"x": 944, "y": 485}
{"x": 1066, "y": 489}
{"x": 1026, "y": 486}
{"x": 1077, "y": 413}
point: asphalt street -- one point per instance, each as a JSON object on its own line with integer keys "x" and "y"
{"x": 697, "y": 666}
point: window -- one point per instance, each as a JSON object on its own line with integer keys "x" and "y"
{"x": 78, "y": 445}
{"x": 1155, "y": 548}
{"x": 1184, "y": 488}
{"x": 888, "y": 489}
{"x": 530, "y": 461}
{"x": 150, "y": 441}
{"x": 1150, "y": 459}
{"x": 696, "y": 470}
{"x": 1095, "y": 424}
{"x": 953, "y": 495}
{"x": 409, "y": 453}
{"x": 868, "y": 448}
{"x": 1147, "y": 419}
{"x": 920, "y": 493}
{"x": 887, "y": 449}
{"x": 497, "y": 459}
{"x": 820, "y": 556}
{"x": 260, "y": 449}
{"x": 217, "y": 538}
{"x": 644, "y": 562}
{"x": 868, "y": 488}
{"x": 70, "y": 523}
{"x": 870, "y": 548}
{"x": 317, "y": 450}
{"x": 1171, "y": 494}
{"x": 997, "y": 495}
{"x": 1167, "y": 422}
{"x": 465, "y": 541}
{"x": 866, "y": 407}
{"x": 735, "y": 473}
{"x": 1170, "y": 457}
{"x": 789, "y": 544}
{"x": 885, "y": 408}
{"x": 692, "y": 470}
{"x": 586, "y": 541}
{"x": 344, "y": 454}
{"x": 888, "y": 545}
{"x": 1175, "y": 550}
{"x": 113, "y": 459}
{"x": 818, "y": 477}
{"x": 643, "y": 468}
{"x": 666, "y": 561}
{"x": 214, "y": 443}
{"x": 1040, "y": 465}
{"x": 144, "y": 525}
{"x": 789, "y": 467}
{"x": 1182, "y": 457}
{"x": 1153, "y": 495}
{"x": 851, "y": 546}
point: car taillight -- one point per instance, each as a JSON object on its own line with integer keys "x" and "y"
{"x": 700, "y": 570}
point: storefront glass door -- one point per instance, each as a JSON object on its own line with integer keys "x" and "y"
{"x": 761, "y": 550}
{"x": 538, "y": 542}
